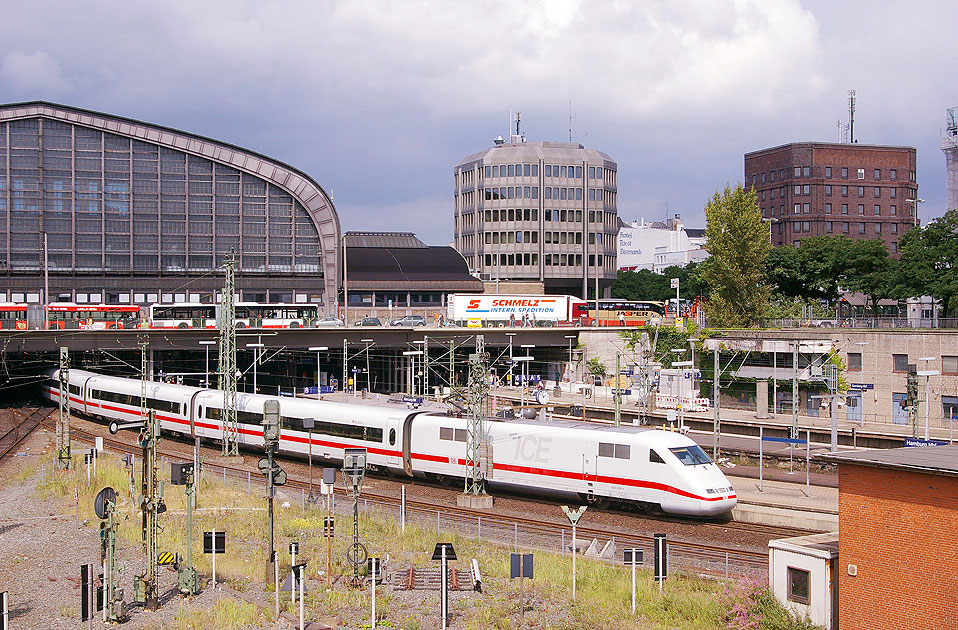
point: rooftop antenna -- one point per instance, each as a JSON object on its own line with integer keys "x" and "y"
{"x": 571, "y": 118}
{"x": 839, "y": 131}
{"x": 517, "y": 137}
{"x": 851, "y": 115}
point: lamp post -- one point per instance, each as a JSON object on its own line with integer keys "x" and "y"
{"x": 257, "y": 348}
{"x": 570, "y": 338}
{"x": 206, "y": 382}
{"x": 927, "y": 374}
{"x": 368, "y": 376}
{"x": 419, "y": 373}
{"x": 914, "y": 202}
{"x": 319, "y": 383}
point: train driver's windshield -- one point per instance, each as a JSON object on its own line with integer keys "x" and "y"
{"x": 691, "y": 455}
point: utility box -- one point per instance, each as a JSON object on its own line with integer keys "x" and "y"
{"x": 803, "y": 575}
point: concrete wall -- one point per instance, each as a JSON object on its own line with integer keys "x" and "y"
{"x": 897, "y": 529}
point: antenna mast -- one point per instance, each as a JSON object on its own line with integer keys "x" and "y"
{"x": 571, "y": 118}
{"x": 851, "y": 116}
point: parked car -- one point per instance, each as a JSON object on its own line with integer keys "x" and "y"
{"x": 409, "y": 320}
{"x": 329, "y": 321}
{"x": 369, "y": 321}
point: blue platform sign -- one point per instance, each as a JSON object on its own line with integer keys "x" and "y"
{"x": 416, "y": 400}
{"x": 921, "y": 442}
{"x": 860, "y": 387}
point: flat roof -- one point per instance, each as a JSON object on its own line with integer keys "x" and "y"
{"x": 932, "y": 460}
{"x": 823, "y": 546}
{"x": 832, "y": 145}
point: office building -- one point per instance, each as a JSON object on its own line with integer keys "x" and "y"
{"x": 659, "y": 244}
{"x": 854, "y": 190}
{"x": 539, "y": 211}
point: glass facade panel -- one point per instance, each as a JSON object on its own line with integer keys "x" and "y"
{"x": 109, "y": 203}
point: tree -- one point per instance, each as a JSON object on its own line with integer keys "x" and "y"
{"x": 645, "y": 284}
{"x": 869, "y": 269}
{"x": 738, "y": 242}
{"x": 929, "y": 261}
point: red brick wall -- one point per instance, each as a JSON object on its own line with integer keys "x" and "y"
{"x": 901, "y": 530}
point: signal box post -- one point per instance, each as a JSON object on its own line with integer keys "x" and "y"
{"x": 187, "y": 578}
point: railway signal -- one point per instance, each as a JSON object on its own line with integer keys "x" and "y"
{"x": 354, "y": 468}
{"x": 661, "y": 559}
{"x": 183, "y": 474}
{"x": 103, "y": 506}
{"x": 63, "y": 420}
{"x": 444, "y": 552}
{"x": 521, "y": 566}
{"x": 273, "y": 473}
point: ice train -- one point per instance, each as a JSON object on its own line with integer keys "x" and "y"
{"x": 651, "y": 468}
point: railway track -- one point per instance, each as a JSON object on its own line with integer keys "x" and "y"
{"x": 22, "y": 428}
{"x": 544, "y": 533}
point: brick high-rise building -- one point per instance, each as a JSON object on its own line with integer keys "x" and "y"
{"x": 855, "y": 190}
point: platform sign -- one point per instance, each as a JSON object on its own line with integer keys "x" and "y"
{"x": 633, "y": 555}
{"x": 921, "y": 442}
{"x": 860, "y": 387}
{"x": 661, "y": 558}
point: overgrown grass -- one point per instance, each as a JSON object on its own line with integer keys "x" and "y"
{"x": 603, "y": 591}
{"x": 226, "y": 614}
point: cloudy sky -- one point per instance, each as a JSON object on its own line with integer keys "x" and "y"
{"x": 378, "y": 101}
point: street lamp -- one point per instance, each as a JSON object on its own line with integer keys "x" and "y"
{"x": 257, "y": 348}
{"x": 510, "y": 336}
{"x": 570, "y": 338}
{"x": 367, "y": 342}
{"x": 770, "y": 221}
{"x": 914, "y": 202}
{"x": 319, "y": 384}
{"x": 206, "y": 383}
{"x": 927, "y": 374}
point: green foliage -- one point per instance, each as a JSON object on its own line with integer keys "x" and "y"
{"x": 595, "y": 366}
{"x": 226, "y": 613}
{"x": 648, "y": 285}
{"x": 738, "y": 242}
{"x": 929, "y": 261}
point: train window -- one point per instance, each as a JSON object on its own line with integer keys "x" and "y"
{"x": 655, "y": 458}
{"x": 392, "y": 437}
{"x": 75, "y": 389}
{"x": 691, "y": 455}
{"x": 606, "y": 450}
{"x": 622, "y": 451}
{"x": 619, "y": 451}
{"x": 461, "y": 435}
{"x": 212, "y": 413}
{"x": 446, "y": 433}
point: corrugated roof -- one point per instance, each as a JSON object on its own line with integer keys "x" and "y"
{"x": 934, "y": 460}
{"x": 383, "y": 239}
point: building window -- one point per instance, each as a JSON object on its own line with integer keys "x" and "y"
{"x": 806, "y": 171}
{"x": 861, "y": 228}
{"x": 844, "y": 208}
{"x": 900, "y": 362}
{"x": 893, "y": 193}
{"x": 878, "y": 228}
{"x": 893, "y": 174}
{"x": 845, "y": 227}
{"x": 861, "y": 191}
{"x": 894, "y": 228}
{"x": 828, "y": 208}
{"x": 797, "y": 171}
{"x": 894, "y": 211}
{"x": 877, "y": 173}
{"x": 877, "y": 210}
{"x": 828, "y": 189}
{"x": 798, "y": 189}
{"x": 828, "y": 226}
{"x": 861, "y": 209}
{"x": 806, "y": 226}
{"x": 894, "y": 247}
{"x": 798, "y": 208}
{"x": 861, "y": 173}
{"x": 806, "y": 189}
{"x": 844, "y": 191}
{"x": 828, "y": 171}
{"x": 949, "y": 365}
{"x": 854, "y": 361}
{"x": 844, "y": 172}
{"x": 949, "y": 408}
{"x": 798, "y": 585}
{"x": 877, "y": 192}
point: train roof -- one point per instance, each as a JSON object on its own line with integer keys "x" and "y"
{"x": 571, "y": 424}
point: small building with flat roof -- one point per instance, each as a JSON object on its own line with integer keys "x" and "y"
{"x": 802, "y": 573}
{"x": 898, "y": 517}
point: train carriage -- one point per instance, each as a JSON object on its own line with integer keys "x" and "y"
{"x": 651, "y": 468}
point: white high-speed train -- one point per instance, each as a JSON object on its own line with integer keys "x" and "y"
{"x": 652, "y": 468}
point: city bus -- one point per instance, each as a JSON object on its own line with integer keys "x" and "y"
{"x": 258, "y": 315}
{"x": 71, "y": 316}
{"x": 13, "y": 316}
{"x": 183, "y": 315}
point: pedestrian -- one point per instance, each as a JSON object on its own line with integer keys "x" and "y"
{"x": 621, "y": 319}
{"x": 512, "y": 320}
